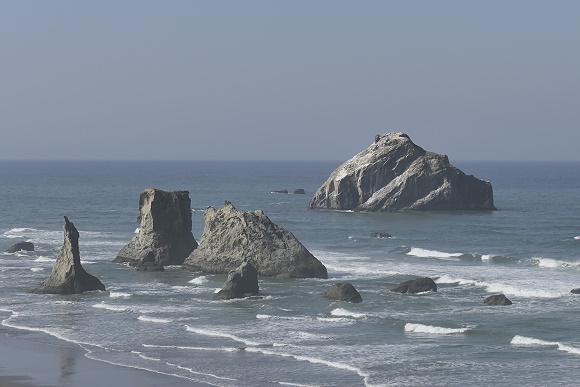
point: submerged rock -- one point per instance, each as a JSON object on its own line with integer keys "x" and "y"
{"x": 281, "y": 191}
{"x": 231, "y": 237}
{"x": 165, "y": 236}
{"x": 241, "y": 282}
{"x": 380, "y": 235}
{"x": 395, "y": 174}
{"x": 21, "y": 246}
{"x": 497, "y": 300}
{"x": 343, "y": 291}
{"x": 415, "y": 286}
{"x": 68, "y": 276}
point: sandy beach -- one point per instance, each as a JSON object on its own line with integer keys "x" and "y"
{"x": 32, "y": 359}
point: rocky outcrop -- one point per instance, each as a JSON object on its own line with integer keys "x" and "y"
{"x": 231, "y": 237}
{"x": 394, "y": 174}
{"x": 575, "y": 291}
{"x": 497, "y": 300}
{"x": 299, "y": 191}
{"x": 280, "y": 191}
{"x": 415, "y": 286}
{"x": 241, "y": 282}
{"x": 21, "y": 246}
{"x": 68, "y": 276}
{"x": 165, "y": 236}
{"x": 380, "y": 235}
{"x": 343, "y": 291}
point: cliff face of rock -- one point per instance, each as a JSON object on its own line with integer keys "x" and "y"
{"x": 165, "y": 236}
{"x": 231, "y": 236}
{"x": 395, "y": 174}
{"x": 68, "y": 276}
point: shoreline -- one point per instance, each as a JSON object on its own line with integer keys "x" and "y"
{"x": 33, "y": 359}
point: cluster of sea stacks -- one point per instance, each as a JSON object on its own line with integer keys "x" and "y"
{"x": 392, "y": 174}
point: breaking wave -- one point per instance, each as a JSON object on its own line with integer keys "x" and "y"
{"x": 530, "y": 341}
{"x": 429, "y": 329}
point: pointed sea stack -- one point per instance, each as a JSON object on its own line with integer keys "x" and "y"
{"x": 231, "y": 237}
{"x": 394, "y": 174}
{"x": 68, "y": 276}
{"x": 165, "y": 236}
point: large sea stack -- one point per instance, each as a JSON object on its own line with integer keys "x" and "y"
{"x": 68, "y": 276}
{"x": 394, "y": 174}
{"x": 165, "y": 236}
{"x": 231, "y": 237}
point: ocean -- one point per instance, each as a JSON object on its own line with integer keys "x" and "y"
{"x": 167, "y": 323}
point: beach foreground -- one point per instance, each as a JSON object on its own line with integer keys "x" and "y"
{"x": 33, "y": 359}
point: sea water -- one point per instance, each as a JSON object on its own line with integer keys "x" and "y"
{"x": 167, "y": 322}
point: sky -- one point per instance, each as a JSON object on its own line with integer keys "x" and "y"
{"x": 288, "y": 80}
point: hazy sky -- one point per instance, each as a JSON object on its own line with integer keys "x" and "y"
{"x": 476, "y": 80}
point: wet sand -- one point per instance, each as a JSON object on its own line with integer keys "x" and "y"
{"x": 30, "y": 359}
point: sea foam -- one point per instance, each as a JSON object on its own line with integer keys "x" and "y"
{"x": 433, "y": 330}
{"x": 199, "y": 280}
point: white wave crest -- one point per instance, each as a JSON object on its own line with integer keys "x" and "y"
{"x": 530, "y": 341}
{"x": 553, "y": 263}
{"x": 37, "y": 269}
{"x": 114, "y": 308}
{"x": 113, "y": 294}
{"x": 269, "y": 316}
{"x": 215, "y": 333}
{"x": 525, "y": 291}
{"x": 199, "y": 280}
{"x": 44, "y": 259}
{"x": 429, "y": 329}
{"x": 313, "y": 360}
{"x": 154, "y": 319}
{"x": 190, "y": 348}
{"x": 340, "y": 312}
{"x": 335, "y": 319}
{"x": 137, "y": 230}
{"x": 577, "y": 237}
{"x": 424, "y": 253}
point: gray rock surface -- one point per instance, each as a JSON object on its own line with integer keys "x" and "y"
{"x": 68, "y": 276}
{"x": 394, "y": 174}
{"x": 343, "y": 291}
{"x": 165, "y": 236}
{"x": 497, "y": 300}
{"x": 241, "y": 282}
{"x": 231, "y": 237}
{"x": 415, "y": 286}
{"x": 21, "y": 246}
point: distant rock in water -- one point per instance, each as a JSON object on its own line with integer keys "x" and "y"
{"x": 497, "y": 300}
{"x": 415, "y": 286}
{"x": 21, "y": 246}
{"x": 380, "y": 235}
{"x": 241, "y": 282}
{"x": 394, "y": 174}
{"x": 299, "y": 191}
{"x": 343, "y": 291}
{"x": 575, "y": 291}
{"x": 231, "y": 237}
{"x": 165, "y": 236}
{"x": 282, "y": 191}
{"x": 68, "y": 276}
